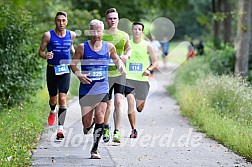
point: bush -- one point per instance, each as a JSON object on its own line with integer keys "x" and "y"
{"x": 222, "y": 61}
{"x": 20, "y": 67}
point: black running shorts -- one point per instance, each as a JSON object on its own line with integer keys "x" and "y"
{"x": 57, "y": 83}
{"x": 117, "y": 84}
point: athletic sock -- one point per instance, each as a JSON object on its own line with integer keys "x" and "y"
{"x": 98, "y": 131}
{"x": 62, "y": 115}
{"x": 52, "y": 107}
{"x": 60, "y": 127}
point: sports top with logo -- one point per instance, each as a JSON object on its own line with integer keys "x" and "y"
{"x": 138, "y": 62}
{"x": 61, "y": 52}
{"x": 60, "y": 48}
{"x": 118, "y": 39}
{"x": 95, "y": 64}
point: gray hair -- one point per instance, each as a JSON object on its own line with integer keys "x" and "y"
{"x": 96, "y": 22}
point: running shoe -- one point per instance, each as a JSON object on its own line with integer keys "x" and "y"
{"x": 133, "y": 133}
{"x": 95, "y": 154}
{"x": 51, "y": 118}
{"x": 60, "y": 134}
{"x": 106, "y": 135}
{"x": 116, "y": 137}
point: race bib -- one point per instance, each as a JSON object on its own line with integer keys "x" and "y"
{"x": 135, "y": 67}
{"x": 61, "y": 69}
{"x": 97, "y": 74}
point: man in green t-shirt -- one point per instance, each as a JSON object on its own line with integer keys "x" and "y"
{"x": 116, "y": 81}
{"x": 138, "y": 69}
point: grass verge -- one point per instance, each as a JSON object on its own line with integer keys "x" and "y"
{"x": 21, "y": 127}
{"x": 219, "y": 105}
{"x": 20, "y": 130}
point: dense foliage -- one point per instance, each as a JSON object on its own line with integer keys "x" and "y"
{"x": 19, "y": 65}
{"x": 222, "y": 61}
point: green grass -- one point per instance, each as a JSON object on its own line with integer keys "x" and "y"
{"x": 20, "y": 129}
{"x": 74, "y": 86}
{"x": 219, "y": 105}
{"x": 21, "y": 126}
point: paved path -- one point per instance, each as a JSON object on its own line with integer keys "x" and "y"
{"x": 165, "y": 139}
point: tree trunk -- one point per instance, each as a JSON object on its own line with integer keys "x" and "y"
{"x": 250, "y": 53}
{"x": 216, "y": 24}
{"x": 227, "y": 22}
{"x": 250, "y": 50}
{"x": 243, "y": 37}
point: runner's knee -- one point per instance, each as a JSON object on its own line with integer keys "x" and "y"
{"x": 62, "y": 100}
{"x": 140, "y": 107}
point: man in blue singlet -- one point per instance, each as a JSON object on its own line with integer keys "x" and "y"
{"x": 56, "y": 47}
{"x": 94, "y": 87}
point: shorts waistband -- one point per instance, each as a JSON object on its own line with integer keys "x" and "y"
{"x": 51, "y": 65}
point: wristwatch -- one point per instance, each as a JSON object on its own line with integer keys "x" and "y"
{"x": 149, "y": 69}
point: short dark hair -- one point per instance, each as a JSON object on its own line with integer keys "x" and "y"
{"x": 138, "y": 23}
{"x": 61, "y": 13}
{"x": 110, "y": 10}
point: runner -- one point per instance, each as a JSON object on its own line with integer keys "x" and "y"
{"x": 116, "y": 81}
{"x": 138, "y": 69}
{"x": 59, "y": 44}
{"x": 165, "y": 49}
{"x": 93, "y": 91}
{"x": 157, "y": 49}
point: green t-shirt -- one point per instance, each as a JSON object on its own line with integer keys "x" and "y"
{"x": 138, "y": 62}
{"x": 118, "y": 39}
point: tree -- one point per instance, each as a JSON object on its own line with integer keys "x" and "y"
{"x": 132, "y": 10}
{"x": 250, "y": 50}
{"x": 243, "y": 37}
{"x": 216, "y": 4}
{"x": 20, "y": 68}
{"x": 227, "y": 22}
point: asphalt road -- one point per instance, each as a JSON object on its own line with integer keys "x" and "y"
{"x": 165, "y": 139}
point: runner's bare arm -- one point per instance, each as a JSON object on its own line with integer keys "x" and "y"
{"x": 118, "y": 62}
{"x": 73, "y": 35}
{"x": 78, "y": 55}
{"x": 154, "y": 60}
{"x": 42, "y": 50}
{"x": 127, "y": 50}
